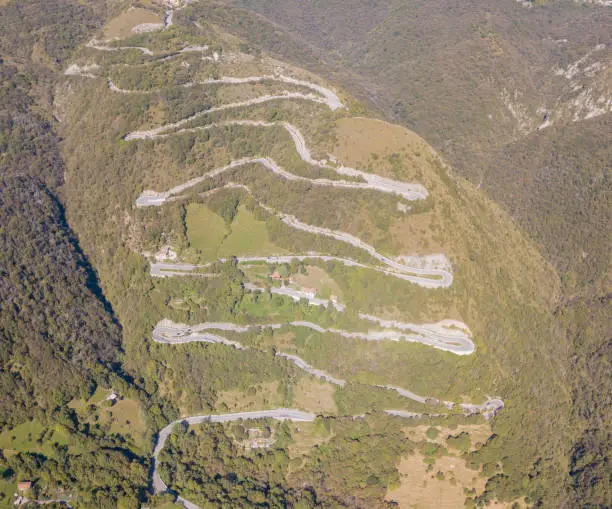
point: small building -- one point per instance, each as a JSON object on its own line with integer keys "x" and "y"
{"x": 24, "y": 485}
{"x": 276, "y": 275}
{"x": 311, "y": 292}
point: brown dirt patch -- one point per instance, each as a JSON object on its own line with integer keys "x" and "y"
{"x": 383, "y": 148}
{"x": 315, "y": 396}
{"x": 319, "y": 279}
{"x": 423, "y": 490}
{"x": 121, "y": 26}
{"x": 414, "y": 234}
{"x": 266, "y": 396}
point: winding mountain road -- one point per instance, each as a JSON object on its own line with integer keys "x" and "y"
{"x": 168, "y": 332}
{"x": 435, "y": 335}
{"x": 406, "y": 190}
{"x": 302, "y": 364}
{"x": 149, "y": 198}
{"x": 286, "y": 95}
{"x": 155, "y": 199}
{"x": 172, "y": 333}
{"x": 164, "y": 269}
{"x": 448, "y": 335}
{"x": 100, "y": 46}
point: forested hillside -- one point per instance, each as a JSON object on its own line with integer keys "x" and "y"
{"x": 57, "y": 337}
{"x": 508, "y": 94}
{"x": 60, "y": 342}
{"x": 188, "y": 146}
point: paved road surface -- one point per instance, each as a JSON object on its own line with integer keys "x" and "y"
{"x": 441, "y": 338}
{"x": 155, "y": 199}
{"x": 100, "y": 46}
{"x": 172, "y": 333}
{"x": 165, "y": 269}
{"x": 408, "y": 191}
{"x": 302, "y": 364}
{"x": 285, "y": 95}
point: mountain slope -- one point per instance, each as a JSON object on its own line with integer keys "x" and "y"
{"x": 55, "y": 330}
{"x": 489, "y": 89}
{"x": 517, "y": 97}
{"x": 61, "y": 349}
{"x": 186, "y": 144}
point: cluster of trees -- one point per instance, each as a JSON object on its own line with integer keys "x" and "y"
{"x": 59, "y": 341}
{"x": 108, "y": 478}
{"x": 56, "y": 30}
{"x": 353, "y": 468}
{"x": 228, "y": 476}
{"x": 58, "y": 336}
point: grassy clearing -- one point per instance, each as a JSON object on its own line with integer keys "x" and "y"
{"x": 33, "y": 437}
{"x": 121, "y": 26}
{"x": 248, "y": 237}
{"x": 125, "y": 418}
{"x": 212, "y": 239}
{"x": 7, "y": 489}
{"x": 99, "y": 395}
{"x": 205, "y": 230}
{"x": 430, "y": 490}
{"x": 96, "y": 399}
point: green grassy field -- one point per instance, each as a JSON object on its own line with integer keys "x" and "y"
{"x": 212, "y": 239}
{"x": 249, "y": 237}
{"x": 125, "y": 418}
{"x": 7, "y": 488}
{"x": 205, "y": 230}
{"x": 32, "y": 436}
